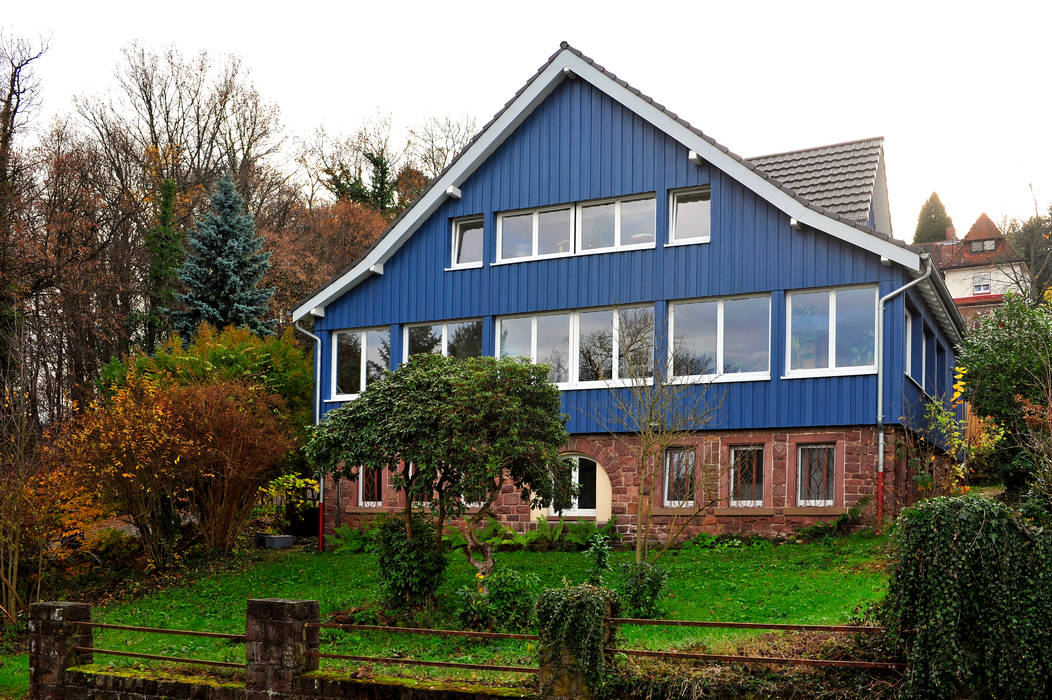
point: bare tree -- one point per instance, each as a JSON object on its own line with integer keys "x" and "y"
{"x": 1031, "y": 240}
{"x": 650, "y": 414}
{"x": 436, "y": 142}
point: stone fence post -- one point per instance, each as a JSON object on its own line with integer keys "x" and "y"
{"x": 561, "y": 676}
{"x": 279, "y": 645}
{"x": 52, "y": 642}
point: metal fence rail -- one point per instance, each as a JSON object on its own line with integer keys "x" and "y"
{"x": 157, "y": 657}
{"x": 774, "y": 661}
{"x": 420, "y": 662}
{"x": 842, "y": 629}
{"x": 422, "y": 630}
{"x": 158, "y": 630}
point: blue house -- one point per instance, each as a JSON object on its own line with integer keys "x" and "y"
{"x": 584, "y": 206}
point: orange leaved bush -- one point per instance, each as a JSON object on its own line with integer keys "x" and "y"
{"x": 241, "y": 441}
{"x": 129, "y": 450}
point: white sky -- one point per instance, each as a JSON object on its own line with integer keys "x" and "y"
{"x": 959, "y": 90}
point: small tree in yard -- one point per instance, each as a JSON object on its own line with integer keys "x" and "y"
{"x": 453, "y": 432}
{"x": 1007, "y": 360}
{"x": 650, "y": 414}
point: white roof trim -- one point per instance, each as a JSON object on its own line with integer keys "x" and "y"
{"x": 565, "y": 63}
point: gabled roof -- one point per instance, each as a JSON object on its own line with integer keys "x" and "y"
{"x": 983, "y": 229}
{"x": 569, "y": 62}
{"x": 955, "y": 254}
{"x": 840, "y": 177}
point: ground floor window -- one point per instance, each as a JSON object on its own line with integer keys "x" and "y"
{"x": 584, "y": 478}
{"x": 746, "y": 476}
{"x": 815, "y": 475}
{"x": 679, "y": 477}
{"x": 370, "y": 487}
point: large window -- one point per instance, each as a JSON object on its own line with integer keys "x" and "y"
{"x": 455, "y": 339}
{"x": 815, "y": 475}
{"x": 467, "y": 242}
{"x": 832, "y": 331}
{"x": 615, "y": 224}
{"x": 721, "y": 337}
{"x": 690, "y": 216}
{"x": 360, "y": 357}
{"x": 679, "y": 477}
{"x": 746, "y": 487}
{"x": 584, "y": 349}
{"x": 371, "y": 487}
{"x": 584, "y": 478}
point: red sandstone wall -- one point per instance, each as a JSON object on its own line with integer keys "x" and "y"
{"x": 856, "y": 477}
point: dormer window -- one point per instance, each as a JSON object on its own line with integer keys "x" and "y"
{"x": 984, "y": 246}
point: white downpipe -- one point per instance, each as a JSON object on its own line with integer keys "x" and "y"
{"x": 317, "y": 417}
{"x": 880, "y": 378}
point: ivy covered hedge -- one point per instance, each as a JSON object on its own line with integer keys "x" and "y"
{"x": 970, "y": 601}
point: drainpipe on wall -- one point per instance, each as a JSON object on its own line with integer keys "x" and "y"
{"x": 880, "y": 383}
{"x": 317, "y": 417}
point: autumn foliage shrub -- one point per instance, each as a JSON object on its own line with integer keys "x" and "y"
{"x": 240, "y": 440}
{"x": 128, "y": 449}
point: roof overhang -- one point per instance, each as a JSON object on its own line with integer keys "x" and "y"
{"x": 566, "y": 63}
{"x": 940, "y": 301}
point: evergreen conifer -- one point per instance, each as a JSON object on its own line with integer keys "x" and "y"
{"x": 223, "y": 269}
{"x": 932, "y": 222}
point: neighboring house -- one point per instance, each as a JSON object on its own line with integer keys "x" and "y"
{"x": 583, "y": 200}
{"x": 978, "y": 269}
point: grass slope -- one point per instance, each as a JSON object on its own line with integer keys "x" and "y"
{"x": 809, "y": 583}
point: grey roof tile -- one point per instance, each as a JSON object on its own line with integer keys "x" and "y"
{"x": 839, "y": 177}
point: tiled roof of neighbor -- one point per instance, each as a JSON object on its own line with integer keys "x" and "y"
{"x": 957, "y": 253}
{"x": 839, "y": 177}
{"x": 983, "y": 228}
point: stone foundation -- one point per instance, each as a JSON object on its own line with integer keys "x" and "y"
{"x": 779, "y": 516}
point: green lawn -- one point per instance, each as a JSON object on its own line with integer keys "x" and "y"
{"x": 809, "y": 583}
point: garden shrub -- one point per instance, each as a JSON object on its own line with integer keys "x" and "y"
{"x": 503, "y": 601}
{"x": 599, "y": 553}
{"x": 574, "y": 620}
{"x": 411, "y": 568}
{"x": 641, "y": 586}
{"x": 354, "y": 540}
{"x": 970, "y": 601}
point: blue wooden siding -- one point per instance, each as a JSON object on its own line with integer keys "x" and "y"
{"x": 580, "y": 145}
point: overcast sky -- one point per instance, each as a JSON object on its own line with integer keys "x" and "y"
{"x": 960, "y": 91}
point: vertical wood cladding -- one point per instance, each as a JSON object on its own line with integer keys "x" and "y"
{"x": 579, "y": 145}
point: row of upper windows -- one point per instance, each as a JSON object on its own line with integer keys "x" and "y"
{"x": 745, "y": 484}
{"x": 828, "y": 332}
{"x": 624, "y": 223}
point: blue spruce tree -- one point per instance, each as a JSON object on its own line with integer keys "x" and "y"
{"x": 223, "y": 269}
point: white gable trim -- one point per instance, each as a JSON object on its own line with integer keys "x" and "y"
{"x": 565, "y": 63}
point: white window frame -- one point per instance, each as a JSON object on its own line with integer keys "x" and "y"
{"x": 800, "y": 500}
{"x": 763, "y": 477}
{"x": 536, "y": 217}
{"x": 575, "y": 345}
{"x": 573, "y": 510}
{"x": 909, "y": 344}
{"x": 673, "y": 195}
{"x": 980, "y": 288}
{"x": 457, "y": 223}
{"x": 361, "y": 490}
{"x": 832, "y": 370}
{"x": 363, "y": 333}
{"x": 575, "y": 228}
{"x": 669, "y": 502}
{"x": 989, "y": 244}
{"x": 445, "y": 334}
{"x": 719, "y": 375}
